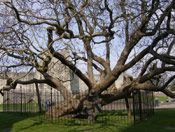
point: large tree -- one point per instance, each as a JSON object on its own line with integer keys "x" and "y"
{"x": 103, "y": 37}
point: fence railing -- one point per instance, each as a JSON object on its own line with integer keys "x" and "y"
{"x": 135, "y": 108}
{"x": 143, "y": 104}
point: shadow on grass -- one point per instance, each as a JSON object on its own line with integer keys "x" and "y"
{"x": 30, "y": 126}
{"x": 8, "y": 119}
{"x": 162, "y": 121}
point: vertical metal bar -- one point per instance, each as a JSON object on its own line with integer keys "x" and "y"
{"x": 133, "y": 102}
{"x": 45, "y": 105}
{"x": 51, "y": 107}
{"x": 148, "y": 103}
{"x": 24, "y": 107}
{"x": 21, "y": 99}
{"x": 26, "y": 100}
{"x": 15, "y": 96}
{"x": 13, "y": 100}
{"x": 39, "y": 98}
{"x": 56, "y": 104}
{"x": 7, "y": 101}
{"x": 152, "y": 107}
{"x": 140, "y": 105}
{"x": 3, "y": 102}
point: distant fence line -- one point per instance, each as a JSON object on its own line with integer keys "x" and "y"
{"x": 141, "y": 104}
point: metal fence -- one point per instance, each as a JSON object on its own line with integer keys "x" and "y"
{"x": 143, "y": 104}
{"x": 139, "y": 106}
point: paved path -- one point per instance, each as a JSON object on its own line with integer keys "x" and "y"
{"x": 166, "y": 105}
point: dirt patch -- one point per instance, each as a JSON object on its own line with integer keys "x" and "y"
{"x": 6, "y": 130}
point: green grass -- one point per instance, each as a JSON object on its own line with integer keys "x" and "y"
{"x": 162, "y": 98}
{"x": 157, "y": 123}
{"x": 25, "y": 106}
{"x": 119, "y": 117}
{"x": 1, "y": 107}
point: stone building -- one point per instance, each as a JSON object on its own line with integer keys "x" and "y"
{"x": 72, "y": 83}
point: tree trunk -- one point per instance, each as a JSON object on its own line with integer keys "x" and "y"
{"x": 127, "y": 106}
{"x": 86, "y": 105}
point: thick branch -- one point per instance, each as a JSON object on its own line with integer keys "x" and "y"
{"x": 161, "y": 19}
{"x": 164, "y": 58}
{"x": 146, "y": 66}
{"x": 156, "y": 71}
{"x": 11, "y": 84}
{"x": 169, "y": 93}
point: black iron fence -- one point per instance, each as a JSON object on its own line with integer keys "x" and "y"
{"x": 128, "y": 110}
{"x": 143, "y": 104}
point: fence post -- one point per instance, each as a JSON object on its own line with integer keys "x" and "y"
{"x": 39, "y": 98}
{"x": 133, "y": 97}
{"x": 51, "y": 106}
{"x": 21, "y": 99}
{"x": 140, "y": 104}
{"x": 152, "y": 103}
{"x": 7, "y": 108}
{"x": 3, "y": 102}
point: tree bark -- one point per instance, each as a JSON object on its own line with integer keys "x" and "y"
{"x": 127, "y": 106}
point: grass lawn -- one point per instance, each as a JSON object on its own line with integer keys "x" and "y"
{"x": 1, "y": 107}
{"x": 162, "y": 121}
{"x": 162, "y": 98}
{"x": 25, "y": 106}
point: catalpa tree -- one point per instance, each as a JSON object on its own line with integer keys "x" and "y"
{"x": 105, "y": 38}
